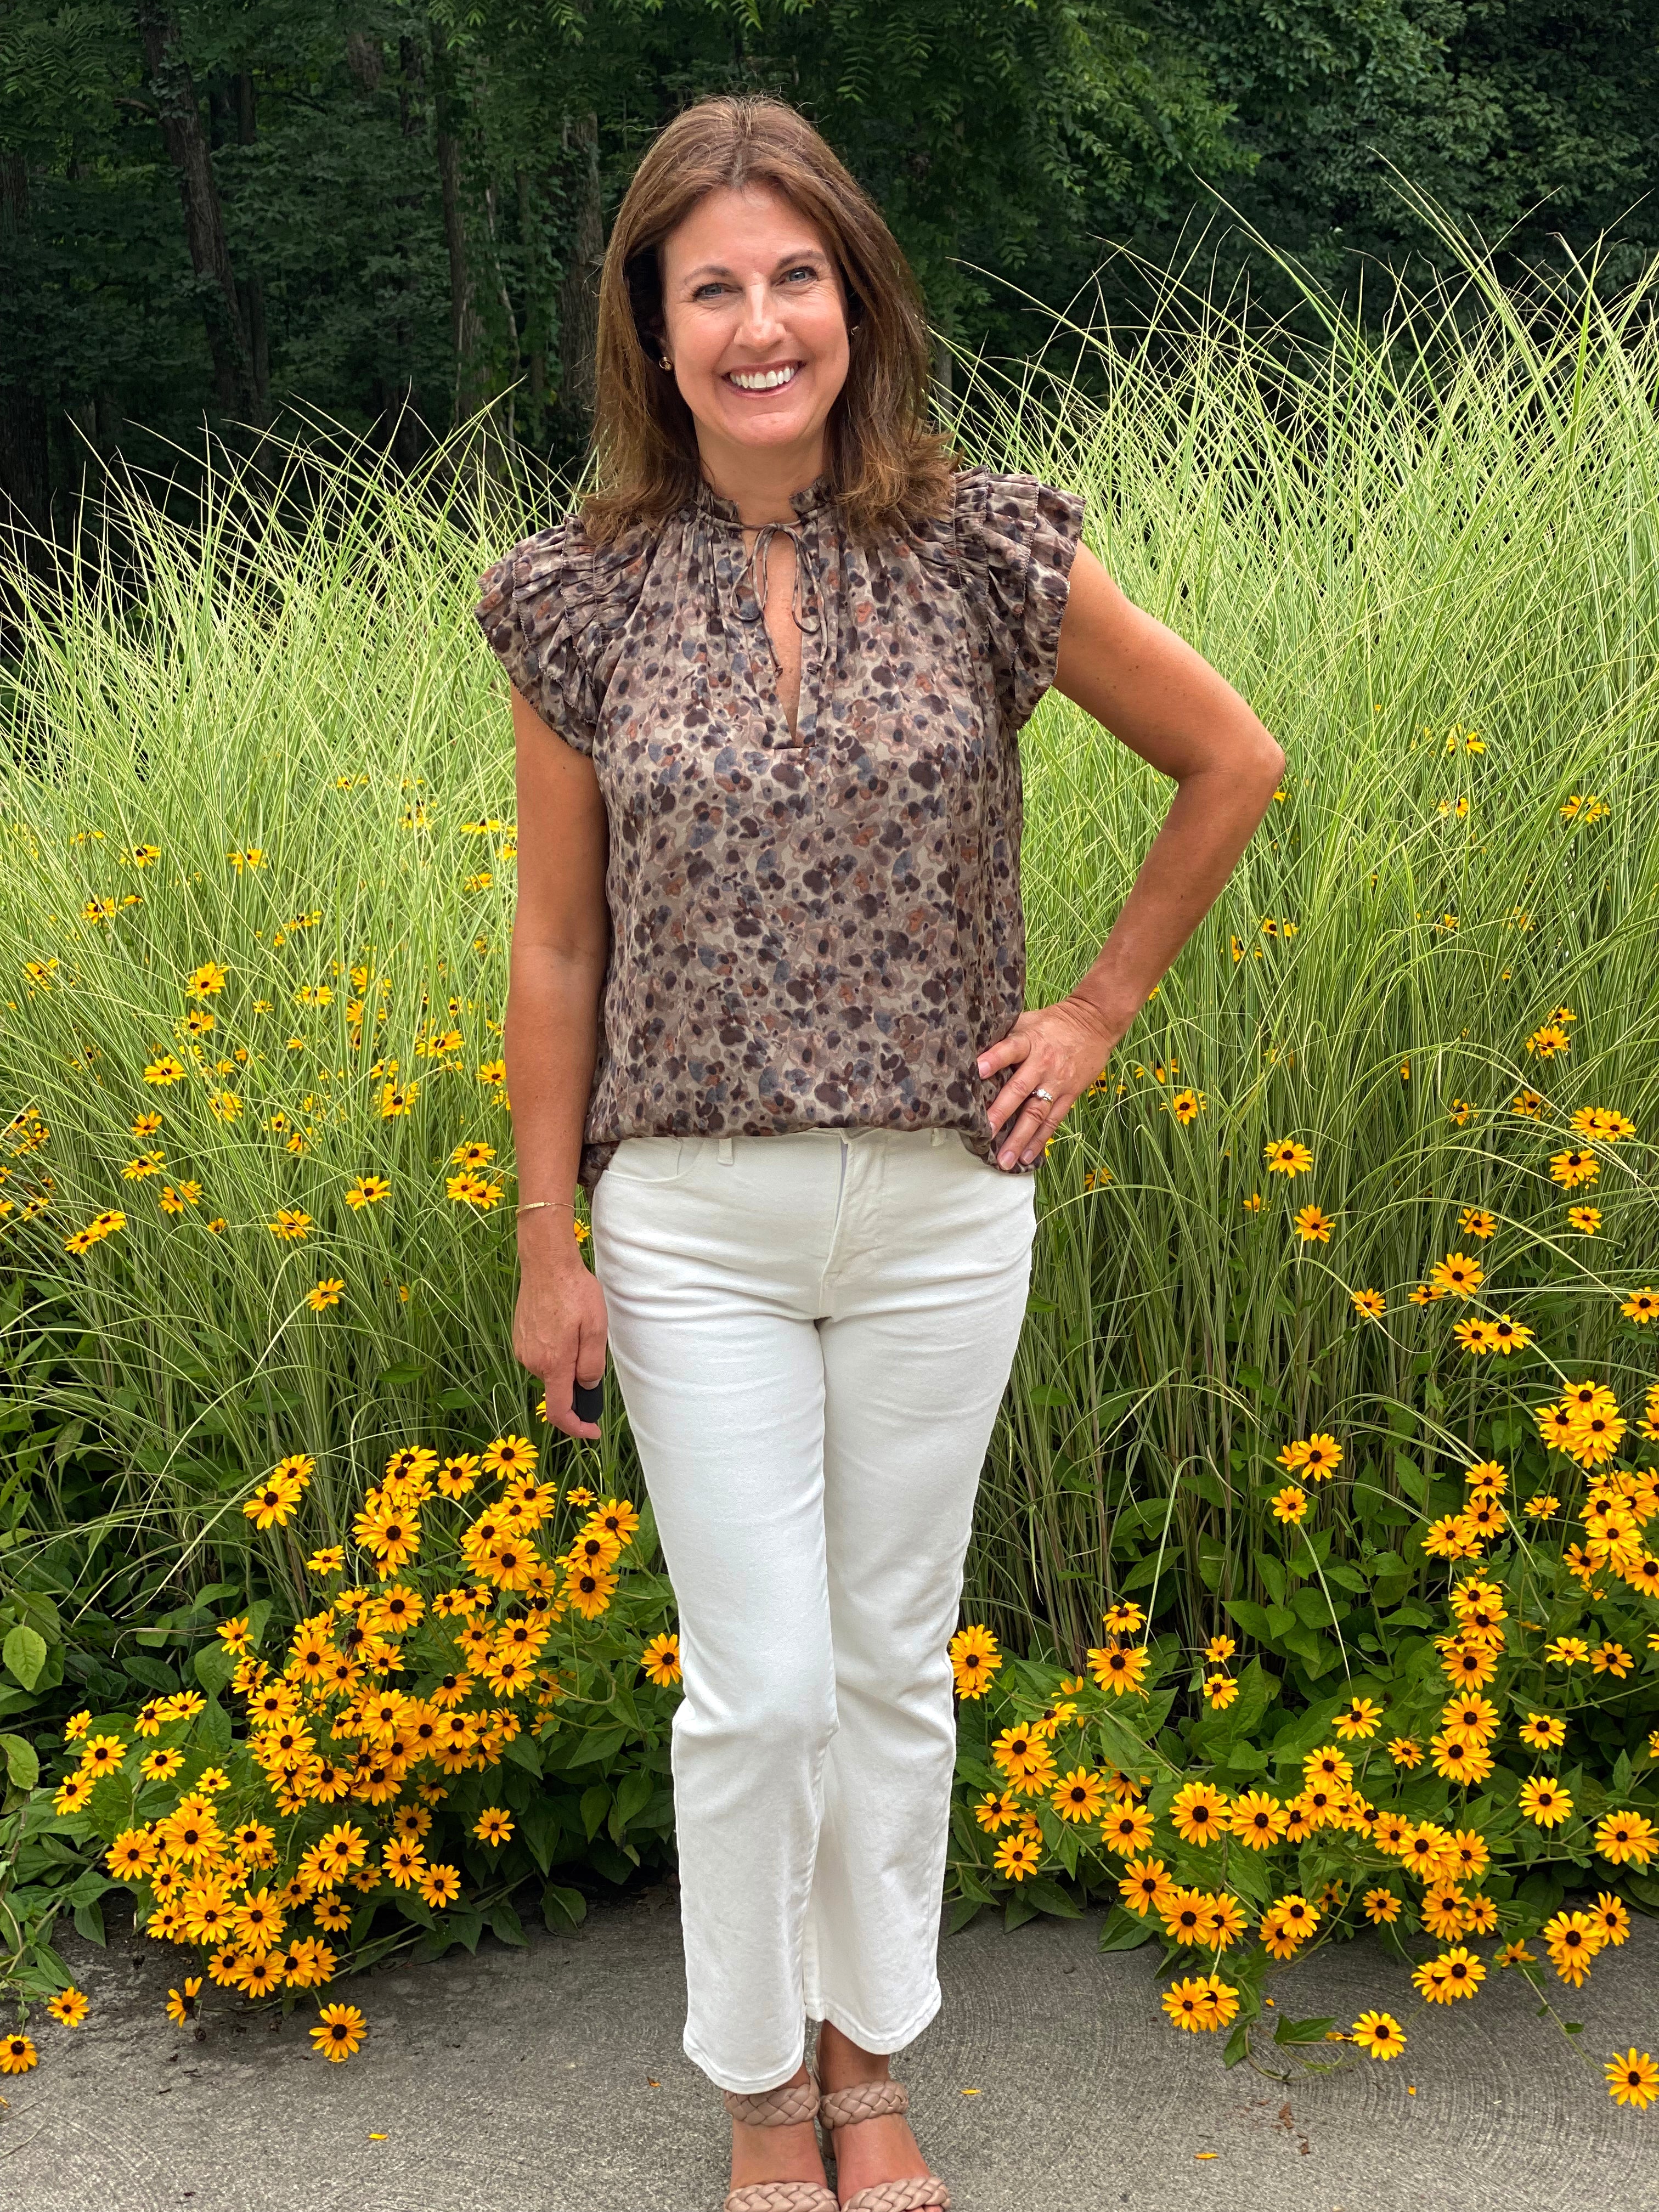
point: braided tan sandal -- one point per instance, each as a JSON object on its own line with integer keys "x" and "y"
{"x": 868, "y": 2100}
{"x": 782, "y": 2107}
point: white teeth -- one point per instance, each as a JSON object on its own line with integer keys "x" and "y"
{"x": 761, "y": 379}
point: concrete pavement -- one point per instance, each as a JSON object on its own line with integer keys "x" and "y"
{"x": 520, "y": 2081}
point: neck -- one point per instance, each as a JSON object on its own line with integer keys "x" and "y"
{"x": 761, "y": 480}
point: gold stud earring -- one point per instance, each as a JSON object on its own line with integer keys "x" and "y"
{"x": 664, "y": 360}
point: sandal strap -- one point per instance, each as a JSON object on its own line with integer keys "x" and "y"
{"x": 785, "y": 2106}
{"x": 781, "y": 2197}
{"x": 864, "y": 2100}
{"x": 915, "y": 2194}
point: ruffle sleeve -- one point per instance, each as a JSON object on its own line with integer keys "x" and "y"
{"x": 553, "y": 608}
{"x": 1016, "y": 539}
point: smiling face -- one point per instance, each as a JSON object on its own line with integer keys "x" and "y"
{"x": 755, "y": 326}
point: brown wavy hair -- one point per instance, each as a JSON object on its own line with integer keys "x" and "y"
{"x": 888, "y": 465}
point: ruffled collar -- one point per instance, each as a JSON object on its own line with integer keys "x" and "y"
{"x": 817, "y": 496}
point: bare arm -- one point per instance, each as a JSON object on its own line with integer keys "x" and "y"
{"x": 560, "y": 942}
{"x": 1162, "y": 700}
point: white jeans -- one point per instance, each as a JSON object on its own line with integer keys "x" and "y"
{"x": 813, "y": 1333}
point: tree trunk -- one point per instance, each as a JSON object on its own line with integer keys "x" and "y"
{"x": 25, "y": 454}
{"x": 406, "y": 438}
{"x": 466, "y": 333}
{"x": 250, "y": 291}
{"x": 579, "y": 294}
{"x": 506, "y": 298}
{"x": 536, "y": 306}
{"x": 180, "y": 118}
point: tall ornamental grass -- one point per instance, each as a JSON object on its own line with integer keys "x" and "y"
{"x": 1336, "y": 1394}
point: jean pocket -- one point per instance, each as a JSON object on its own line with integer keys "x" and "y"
{"x": 653, "y": 1159}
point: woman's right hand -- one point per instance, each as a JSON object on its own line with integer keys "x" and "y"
{"x": 560, "y": 1324}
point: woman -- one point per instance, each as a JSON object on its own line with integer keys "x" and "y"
{"x": 767, "y": 1006}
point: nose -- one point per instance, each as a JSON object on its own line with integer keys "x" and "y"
{"x": 759, "y": 323}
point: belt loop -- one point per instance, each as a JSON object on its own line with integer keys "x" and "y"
{"x": 726, "y": 1152}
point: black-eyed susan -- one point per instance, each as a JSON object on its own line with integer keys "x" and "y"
{"x": 1625, "y": 1838}
{"x": 1379, "y": 2034}
{"x": 1360, "y": 1716}
{"x": 1257, "y": 1819}
{"x": 1119, "y": 1668}
{"x": 339, "y": 2032}
{"x": 1018, "y": 1856}
{"x": 1199, "y": 1811}
{"x": 1457, "y": 1973}
{"x": 1145, "y": 1884}
{"x": 1286, "y": 1156}
{"x": 1127, "y": 1830}
{"x": 1544, "y": 1801}
{"x": 1632, "y": 2078}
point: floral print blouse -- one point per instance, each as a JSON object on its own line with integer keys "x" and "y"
{"x": 820, "y": 931}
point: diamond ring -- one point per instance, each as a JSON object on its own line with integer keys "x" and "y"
{"x": 1041, "y": 1093}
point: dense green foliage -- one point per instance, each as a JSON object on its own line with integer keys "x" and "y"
{"x": 387, "y": 217}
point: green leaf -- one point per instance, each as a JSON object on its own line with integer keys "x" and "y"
{"x": 1118, "y": 1741}
{"x": 1251, "y": 1618}
{"x": 523, "y": 1752}
{"x": 1017, "y": 1911}
{"x": 595, "y": 1804}
{"x": 1124, "y": 1931}
{"x": 22, "y": 1766}
{"x": 24, "y": 1652}
{"x": 1409, "y": 1615}
{"x": 1238, "y": 2045}
{"x": 1318, "y": 1653}
{"x": 213, "y": 1666}
{"x": 402, "y": 1378}
{"x": 1303, "y": 2030}
{"x": 634, "y": 1794}
{"x": 602, "y": 1744}
{"x": 1412, "y": 1479}
{"x": 1344, "y": 1576}
{"x": 89, "y": 1922}
{"x": 506, "y": 1927}
{"x": 213, "y": 1726}
{"x": 965, "y": 1910}
{"x": 539, "y": 1830}
{"x": 1048, "y": 1896}
{"x": 1272, "y": 1574}
{"x": 465, "y": 1924}
{"x": 563, "y": 1908}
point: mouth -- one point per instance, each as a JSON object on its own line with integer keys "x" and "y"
{"x": 775, "y": 376}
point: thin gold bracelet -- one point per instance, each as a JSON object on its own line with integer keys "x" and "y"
{"x": 535, "y": 1202}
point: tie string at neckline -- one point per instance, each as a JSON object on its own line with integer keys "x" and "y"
{"x": 805, "y": 504}
{"x": 757, "y": 564}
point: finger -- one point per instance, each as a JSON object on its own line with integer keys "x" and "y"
{"x": 559, "y": 1394}
{"x": 1028, "y": 1115}
{"x": 1007, "y": 1052}
{"x": 1017, "y": 1090}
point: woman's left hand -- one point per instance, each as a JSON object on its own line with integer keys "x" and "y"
{"x": 1061, "y": 1049}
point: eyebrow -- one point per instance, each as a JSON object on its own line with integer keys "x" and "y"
{"x": 719, "y": 269}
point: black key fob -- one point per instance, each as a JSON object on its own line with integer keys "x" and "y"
{"x": 588, "y": 1401}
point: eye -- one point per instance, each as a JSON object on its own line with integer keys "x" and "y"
{"x": 806, "y": 269}
{"x": 713, "y": 284}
